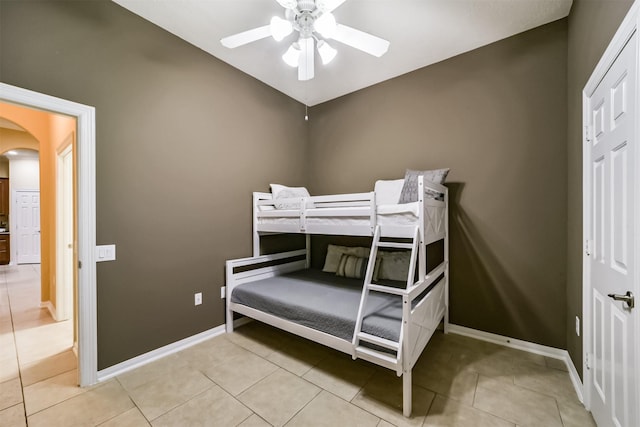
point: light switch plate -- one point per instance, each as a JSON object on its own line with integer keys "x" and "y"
{"x": 105, "y": 253}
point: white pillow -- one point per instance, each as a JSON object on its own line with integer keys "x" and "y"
{"x": 283, "y": 192}
{"x": 388, "y": 191}
{"x": 335, "y": 252}
{"x": 395, "y": 265}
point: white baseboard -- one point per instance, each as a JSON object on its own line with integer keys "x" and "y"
{"x": 552, "y": 352}
{"x": 158, "y": 353}
{"x": 49, "y": 306}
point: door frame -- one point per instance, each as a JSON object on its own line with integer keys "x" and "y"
{"x": 14, "y": 224}
{"x": 86, "y": 211}
{"x": 64, "y": 286}
{"x": 627, "y": 28}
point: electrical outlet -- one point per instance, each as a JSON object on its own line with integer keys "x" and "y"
{"x": 577, "y": 326}
{"x": 198, "y": 298}
{"x": 223, "y": 292}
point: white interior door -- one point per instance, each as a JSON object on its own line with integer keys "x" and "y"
{"x": 613, "y": 192}
{"x": 64, "y": 236}
{"x": 28, "y": 226}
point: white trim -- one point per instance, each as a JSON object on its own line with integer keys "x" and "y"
{"x": 624, "y": 32}
{"x": 159, "y": 353}
{"x": 542, "y": 350}
{"x": 49, "y": 306}
{"x": 86, "y": 141}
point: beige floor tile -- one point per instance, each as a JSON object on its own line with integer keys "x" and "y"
{"x": 254, "y": 421}
{"x": 9, "y": 368}
{"x": 547, "y": 381}
{"x": 340, "y": 375}
{"x": 131, "y": 418}
{"x": 279, "y": 396}
{"x": 384, "y": 423}
{"x": 447, "y": 412}
{"x": 258, "y": 338}
{"x": 54, "y": 390}
{"x": 382, "y": 396}
{"x": 328, "y": 410}
{"x": 35, "y": 344}
{"x": 558, "y": 364}
{"x": 516, "y": 404}
{"x": 48, "y": 367}
{"x": 240, "y": 372}
{"x": 575, "y": 415}
{"x": 299, "y": 356}
{"x": 211, "y": 352}
{"x": 87, "y": 409}
{"x": 447, "y": 378}
{"x": 214, "y": 407}
{"x": 13, "y": 416}
{"x": 161, "y": 395}
{"x": 152, "y": 371}
{"x": 10, "y": 393}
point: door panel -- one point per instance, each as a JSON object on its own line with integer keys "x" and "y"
{"x": 612, "y": 150}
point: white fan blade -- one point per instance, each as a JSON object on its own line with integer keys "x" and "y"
{"x": 246, "y": 37}
{"x": 305, "y": 64}
{"x": 288, "y": 4}
{"x": 328, "y": 5}
{"x": 360, "y": 40}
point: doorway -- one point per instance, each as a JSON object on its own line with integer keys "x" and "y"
{"x": 86, "y": 271}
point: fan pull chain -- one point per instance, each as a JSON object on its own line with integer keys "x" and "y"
{"x": 306, "y": 113}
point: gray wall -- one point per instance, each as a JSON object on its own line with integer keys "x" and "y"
{"x": 182, "y": 141}
{"x": 497, "y": 117}
{"x": 592, "y": 24}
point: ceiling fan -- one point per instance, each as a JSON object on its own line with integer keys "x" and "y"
{"x": 314, "y": 21}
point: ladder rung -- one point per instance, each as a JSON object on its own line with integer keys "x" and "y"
{"x": 395, "y": 245}
{"x": 386, "y": 289}
{"x": 375, "y": 354}
{"x": 382, "y": 342}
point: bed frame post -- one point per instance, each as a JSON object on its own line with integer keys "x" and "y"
{"x": 229, "y": 285}
{"x": 446, "y": 260}
{"x": 256, "y": 236}
{"x": 406, "y": 393}
{"x": 308, "y": 247}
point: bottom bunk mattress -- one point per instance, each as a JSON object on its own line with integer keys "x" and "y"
{"x": 323, "y": 301}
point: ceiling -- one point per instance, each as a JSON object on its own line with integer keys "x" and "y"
{"x": 421, "y": 32}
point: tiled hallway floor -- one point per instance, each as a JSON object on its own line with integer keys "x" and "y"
{"x": 259, "y": 376}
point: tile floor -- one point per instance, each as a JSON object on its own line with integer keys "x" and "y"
{"x": 259, "y": 376}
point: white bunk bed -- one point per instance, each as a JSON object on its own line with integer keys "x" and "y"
{"x": 281, "y": 280}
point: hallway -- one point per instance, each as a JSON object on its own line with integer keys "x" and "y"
{"x": 37, "y": 365}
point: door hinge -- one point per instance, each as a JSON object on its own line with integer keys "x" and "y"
{"x": 79, "y": 264}
{"x": 587, "y": 247}
{"x": 587, "y": 133}
{"x": 587, "y": 360}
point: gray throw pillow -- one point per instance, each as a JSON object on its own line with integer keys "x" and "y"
{"x": 410, "y": 188}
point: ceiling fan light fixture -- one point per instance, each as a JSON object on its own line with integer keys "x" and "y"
{"x": 325, "y": 25}
{"x": 292, "y": 55}
{"x": 327, "y": 53}
{"x": 280, "y": 28}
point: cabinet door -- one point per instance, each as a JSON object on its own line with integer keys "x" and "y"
{"x": 4, "y": 249}
{"x": 4, "y": 196}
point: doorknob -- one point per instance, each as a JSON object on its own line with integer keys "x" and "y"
{"x": 628, "y": 298}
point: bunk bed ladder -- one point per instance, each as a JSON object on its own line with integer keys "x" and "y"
{"x": 369, "y": 352}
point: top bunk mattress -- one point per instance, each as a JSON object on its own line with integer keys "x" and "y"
{"x": 323, "y": 301}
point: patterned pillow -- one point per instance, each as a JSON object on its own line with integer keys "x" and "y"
{"x": 352, "y": 266}
{"x": 335, "y": 252}
{"x": 283, "y": 192}
{"x": 410, "y": 189}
